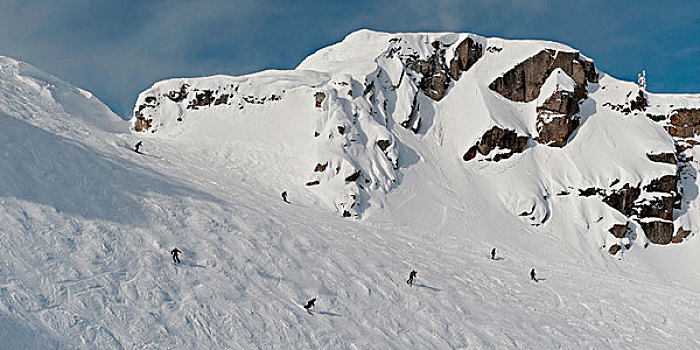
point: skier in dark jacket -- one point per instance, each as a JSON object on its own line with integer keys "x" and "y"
{"x": 137, "y": 146}
{"x": 175, "y": 253}
{"x": 411, "y": 275}
{"x": 309, "y": 305}
{"x": 284, "y": 196}
{"x": 533, "y": 276}
{"x": 493, "y": 254}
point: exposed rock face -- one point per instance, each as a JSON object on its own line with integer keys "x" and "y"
{"x": 435, "y": 75}
{"x": 203, "y": 98}
{"x": 142, "y": 124}
{"x": 383, "y": 144}
{"x": 619, "y": 230}
{"x": 313, "y": 183}
{"x": 614, "y": 249}
{"x": 658, "y": 232}
{"x": 320, "y": 167}
{"x": 667, "y": 183}
{"x": 319, "y": 97}
{"x": 354, "y": 176}
{"x": 669, "y": 158}
{"x": 466, "y": 54}
{"x": 434, "y": 81}
{"x": 659, "y": 207}
{"x": 681, "y": 235}
{"x": 640, "y": 103}
{"x": 555, "y": 131}
{"x": 178, "y": 96}
{"x": 497, "y": 138}
{"x": 685, "y": 123}
{"x": 523, "y": 82}
{"x": 623, "y": 199}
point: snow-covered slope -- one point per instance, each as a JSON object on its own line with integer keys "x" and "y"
{"x": 438, "y": 146}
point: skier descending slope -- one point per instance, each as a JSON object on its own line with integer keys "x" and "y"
{"x": 175, "y": 253}
{"x": 411, "y": 275}
{"x": 309, "y": 305}
{"x": 284, "y": 196}
{"x": 137, "y": 146}
{"x": 533, "y": 276}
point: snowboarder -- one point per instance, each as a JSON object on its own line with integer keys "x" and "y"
{"x": 175, "y": 253}
{"x": 309, "y": 305}
{"x": 533, "y": 276}
{"x": 284, "y": 196}
{"x": 493, "y": 254}
{"x": 137, "y": 146}
{"x": 411, "y": 275}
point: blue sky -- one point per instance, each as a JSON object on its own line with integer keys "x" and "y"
{"x": 118, "y": 48}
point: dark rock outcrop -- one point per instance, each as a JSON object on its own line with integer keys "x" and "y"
{"x": 685, "y": 123}
{"x": 142, "y": 124}
{"x": 669, "y": 158}
{"x": 554, "y": 131}
{"x": 203, "y": 98}
{"x": 658, "y": 232}
{"x": 614, "y": 249}
{"x": 466, "y": 54}
{"x": 658, "y": 207}
{"x": 471, "y": 153}
{"x": 556, "y": 118}
{"x": 435, "y": 80}
{"x": 639, "y": 103}
{"x": 435, "y": 74}
{"x": 591, "y": 191}
{"x": 320, "y": 167}
{"x": 523, "y": 82}
{"x": 221, "y": 100}
{"x": 313, "y": 183}
{"x": 681, "y": 235}
{"x": 666, "y": 183}
{"x": 619, "y": 230}
{"x": 354, "y": 176}
{"x": 383, "y": 144}
{"x": 319, "y": 96}
{"x": 623, "y": 199}
{"x": 497, "y": 138}
{"x": 178, "y": 96}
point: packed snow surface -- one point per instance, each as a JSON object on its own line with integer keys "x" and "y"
{"x": 86, "y": 224}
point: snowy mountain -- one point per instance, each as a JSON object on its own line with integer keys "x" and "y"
{"x": 399, "y": 152}
{"x": 372, "y": 109}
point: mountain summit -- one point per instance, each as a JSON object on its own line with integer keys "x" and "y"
{"x": 531, "y": 123}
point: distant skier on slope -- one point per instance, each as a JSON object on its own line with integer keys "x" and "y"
{"x": 137, "y": 146}
{"x": 309, "y": 305}
{"x": 493, "y": 254}
{"x": 284, "y": 196}
{"x": 533, "y": 276}
{"x": 411, "y": 276}
{"x": 175, "y": 253}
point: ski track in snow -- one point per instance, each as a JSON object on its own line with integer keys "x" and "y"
{"x": 86, "y": 226}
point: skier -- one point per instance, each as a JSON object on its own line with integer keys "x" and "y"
{"x": 411, "y": 275}
{"x": 176, "y": 257}
{"x": 309, "y": 305}
{"x": 284, "y": 196}
{"x": 493, "y": 254}
{"x": 137, "y": 146}
{"x": 533, "y": 276}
